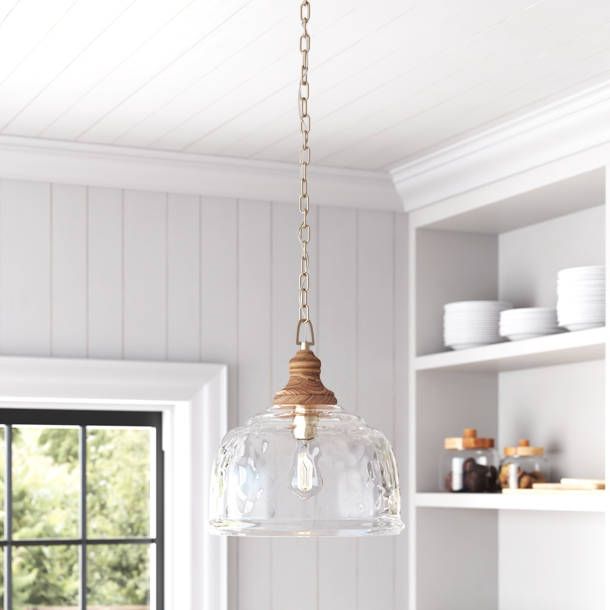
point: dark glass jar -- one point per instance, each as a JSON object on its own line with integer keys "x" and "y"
{"x": 469, "y": 464}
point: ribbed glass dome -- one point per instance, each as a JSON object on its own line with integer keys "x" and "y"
{"x": 305, "y": 471}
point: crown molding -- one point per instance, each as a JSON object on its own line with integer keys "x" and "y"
{"x": 574, "y": 124}
{"x": 175, "y": 172}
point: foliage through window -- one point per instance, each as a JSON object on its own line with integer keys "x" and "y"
{"x": 81, "y": 525}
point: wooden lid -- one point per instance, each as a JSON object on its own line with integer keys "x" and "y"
{"x": 523, "y": 449}
{"x": 304, "y": 385}
{"x": 469, "y": 440}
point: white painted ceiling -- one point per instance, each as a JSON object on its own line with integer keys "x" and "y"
{"x": 390, "y": 79}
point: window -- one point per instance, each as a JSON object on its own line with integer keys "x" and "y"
{"x": 82, "y": 525}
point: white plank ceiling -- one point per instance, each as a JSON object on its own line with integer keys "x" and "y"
{"x": 390, "y": 79}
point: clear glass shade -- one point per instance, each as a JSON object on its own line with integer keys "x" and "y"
{"x": 296, "y": 472}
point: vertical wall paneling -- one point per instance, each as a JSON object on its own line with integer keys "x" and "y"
{"x": 182, "y": 226}
{"x": 218, "y": 299}
{"x": 254, "y": 379}
{"x": 218, "y": 290}
{"x": 145, "y": 271}
{"x": 183, "y": 276}
{"x": 401, "y": 278}
{"x": 68, "y": 270}
{"x": 409, "y": 511}
{"x": 105, "y": 273}
{"x": 607, "y": 385}
{"x": 294, "y": 561}
{"x": 111, "y": 274}
{"x": 25, "y": 268}
{"x": 337, "y": 347}
{"x": 375, "y": 375}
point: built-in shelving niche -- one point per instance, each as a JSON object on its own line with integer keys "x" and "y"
{"x": 497, "y": 552}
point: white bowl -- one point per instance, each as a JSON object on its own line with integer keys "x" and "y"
{"x": 581, "y": 287}
{"x": 572, "y": 319}
{"x": 583, "y": 325}
{"x": 465, "y": 338}
{"x": 580, "y": 277}
{"x": 471, "y": 338}
{"x": 527, "y": 328}
{"x": 488, "y": 336}
{"x": 581, "y": 314}
{"x": 581, "y": 281}
{"x": 529, "y": 321}
{"x": 581, "y": 294}
{"x": 471, "y": 319}
{"x": 523, "y": 336}
{"x": 477, "y": 305}
{"x": 471, "y": 323}
{"x": 586, "y": 271}
{"x": 580, "y": 306}
{"x": 518, "y": 311}
{"x": 460, "y": 346}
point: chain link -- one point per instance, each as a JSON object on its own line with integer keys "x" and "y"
{"x": 304, "y": 324}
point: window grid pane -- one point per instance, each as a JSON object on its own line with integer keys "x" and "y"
{"x": 46, "y": 482}
{"x": 144, "y": 553}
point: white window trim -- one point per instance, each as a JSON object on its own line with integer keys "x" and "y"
{"x": 193, "y": 400}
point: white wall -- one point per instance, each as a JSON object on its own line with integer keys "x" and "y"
{"x": 540, "y": 404}
{"x": 127, "y": 274}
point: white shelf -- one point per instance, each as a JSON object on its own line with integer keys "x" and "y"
{"x": 585, "y": 501}
{"x": 563, "y": 348}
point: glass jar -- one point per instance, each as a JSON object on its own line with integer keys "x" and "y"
{"x": 469, "y": 464}
{"x": 523, "y": 466}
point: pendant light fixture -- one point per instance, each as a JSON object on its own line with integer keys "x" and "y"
{"x": 305, "y": 467}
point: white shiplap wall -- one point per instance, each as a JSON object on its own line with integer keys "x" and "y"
{"x": 89, "y": 271}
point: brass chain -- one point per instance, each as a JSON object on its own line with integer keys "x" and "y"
{"x": 304, "y": 324}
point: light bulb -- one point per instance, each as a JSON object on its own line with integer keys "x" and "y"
{"x": 306, "y": 480}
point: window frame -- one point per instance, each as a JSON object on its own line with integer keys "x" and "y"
{"x": 193, "y": 401}
{"x": 10, "y": 418}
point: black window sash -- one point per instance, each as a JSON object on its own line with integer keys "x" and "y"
{"x": 82, "y": 419}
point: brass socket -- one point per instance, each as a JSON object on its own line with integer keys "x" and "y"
{"x": 305, "y": 425}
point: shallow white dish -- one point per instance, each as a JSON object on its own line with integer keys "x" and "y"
{"x": 580, "y": 291}
{"x": 540, "y": 330}
{"x": 587, "y": 270}
{"x": 566, "y": 312}
{"x": 474, "y": 327}
{"x": 583, "y": 325}
{"x": 482, "y": 335}
{"x": 460, "y": 346}
{"x": 581, "y": 315}
{"x": 477, "y": 305}
{"x": 592, "y": 282}
{"x": 471, "y": 339}
{"x": 523, "y": 336}
{"x": 573, "y": 301}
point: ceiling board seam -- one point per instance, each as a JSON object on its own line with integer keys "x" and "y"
{"x": 75, "y": 58}
{"x": 165, "y": 67}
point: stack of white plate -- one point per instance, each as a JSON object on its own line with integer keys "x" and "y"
{"x": 472, "y": 323}
{"x": 528, "y": 322}
{"x": 581, "y": 297}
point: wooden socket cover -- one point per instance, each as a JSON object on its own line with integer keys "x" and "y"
{"x": 304, "y": 387}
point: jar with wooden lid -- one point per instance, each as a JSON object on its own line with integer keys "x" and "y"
{"x": 523, "y": 466}
{"x": 469, "y": 463}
